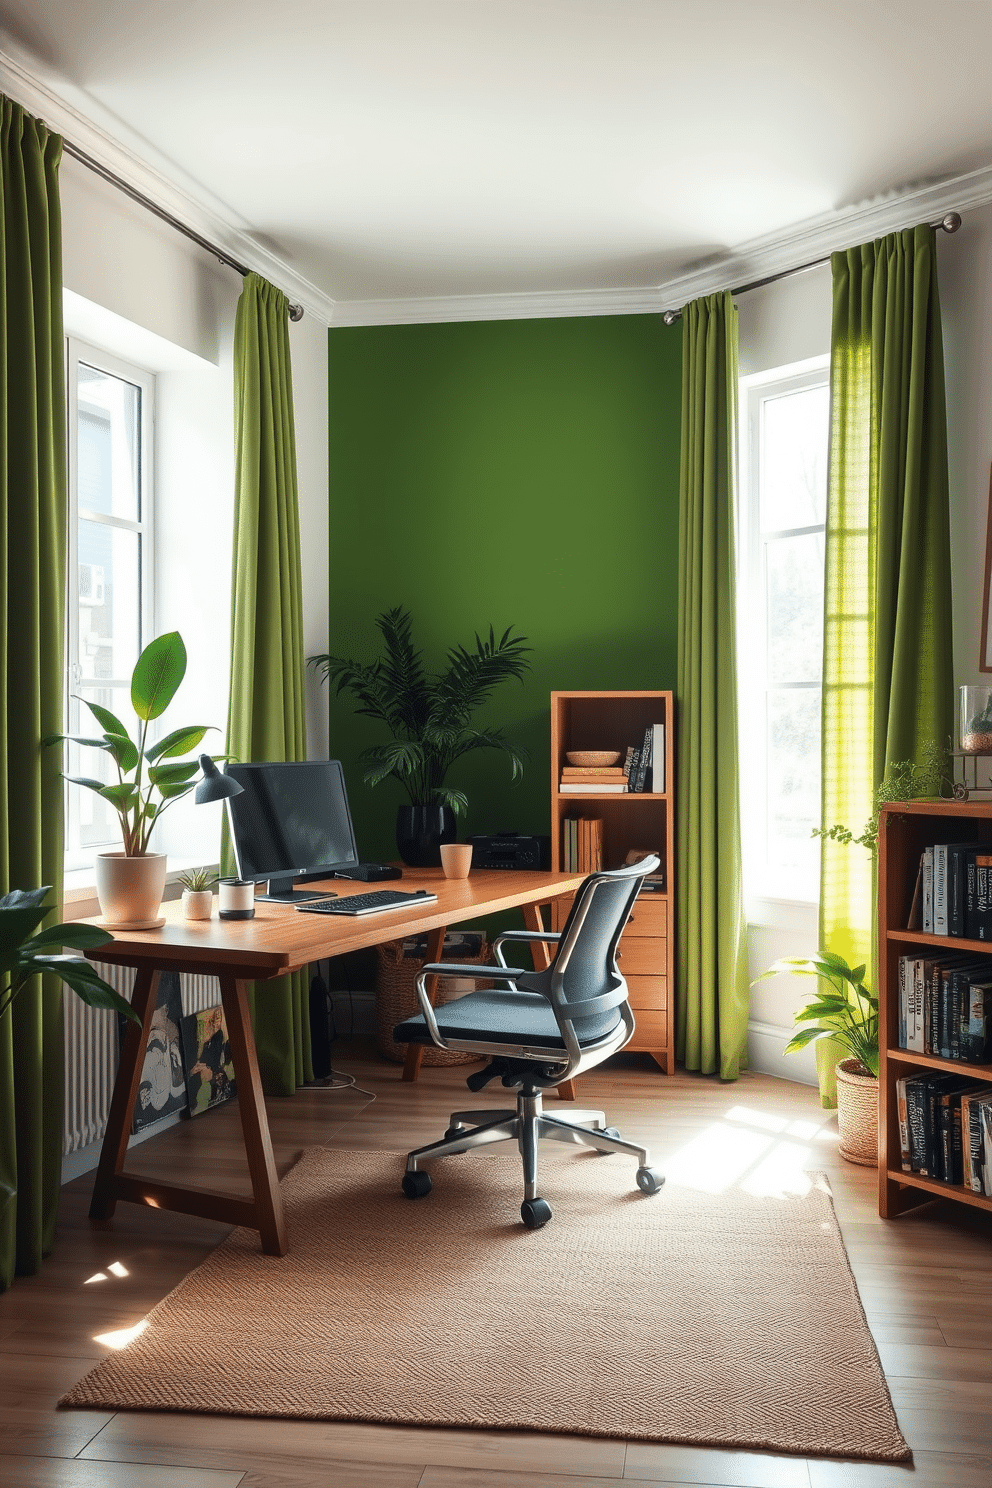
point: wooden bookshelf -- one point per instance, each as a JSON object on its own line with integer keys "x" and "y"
{"x": 905, "y": 828}
{"x": 646, "y": 819}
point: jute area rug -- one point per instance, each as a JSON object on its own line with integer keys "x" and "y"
{"x": 722, "y": 1320}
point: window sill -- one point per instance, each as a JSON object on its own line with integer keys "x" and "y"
{"x": 79, "y": 887}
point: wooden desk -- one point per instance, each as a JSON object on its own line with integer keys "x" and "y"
{"x": 277, "y": 941}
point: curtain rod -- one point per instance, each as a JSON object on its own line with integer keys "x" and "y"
{"x": 950, "y": 224}
{"x": 295, "y": 311}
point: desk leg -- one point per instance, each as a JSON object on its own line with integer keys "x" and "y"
{"x": 541, "y": 954}
{"x": 254, "y": 1122}
{"x": 114, "y": 1149}
{"x": 415, "y": 1052}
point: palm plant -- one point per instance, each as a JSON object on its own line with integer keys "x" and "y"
{"x": 428, "y": 714}
{"x": 847, "y": 1013}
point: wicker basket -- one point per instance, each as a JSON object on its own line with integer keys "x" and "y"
{"x": 857, "y": 1114}
{"x": 400, "y": 964}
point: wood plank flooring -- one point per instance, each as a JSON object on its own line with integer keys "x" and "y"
{"x": 925, "y": 1281}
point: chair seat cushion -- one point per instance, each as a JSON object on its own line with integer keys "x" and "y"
{"x": 495, "y": 1017}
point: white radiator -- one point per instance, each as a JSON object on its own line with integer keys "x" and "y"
{"x": 91, "y": 1051}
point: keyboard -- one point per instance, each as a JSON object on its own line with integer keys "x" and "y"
{"x": 372, "y": 903}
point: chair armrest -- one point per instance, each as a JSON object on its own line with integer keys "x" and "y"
{"x": 522, "y": 936}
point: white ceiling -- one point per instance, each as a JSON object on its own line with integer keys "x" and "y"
{"x": 398, "y": 149}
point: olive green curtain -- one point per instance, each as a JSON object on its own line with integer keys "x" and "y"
{"x": 711, "y": 974}
{"x": 32, "y": 583}
{"x": 887, "y": 659}
{"x": 266, "y": 719}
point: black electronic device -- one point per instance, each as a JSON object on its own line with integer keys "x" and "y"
{"x": 291, "y": 821}
{"x": 374, "y": 902}
{"x": 370, "y": 872}
{"x": 510, "y": 850}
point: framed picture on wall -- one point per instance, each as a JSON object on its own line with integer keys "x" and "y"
{"x": 985, "y": 656}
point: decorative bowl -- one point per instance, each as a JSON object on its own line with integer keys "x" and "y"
{"x": 593, "y": 759}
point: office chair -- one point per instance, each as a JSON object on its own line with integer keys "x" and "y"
{"x": 544, "y": 1027}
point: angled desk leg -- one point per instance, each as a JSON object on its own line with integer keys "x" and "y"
{"x": 542, "y": 960}
{"x": 264, "y": 1211}
{"x": 415, "y": 1052}
{"x": 269, "y": 1217}
{"x": 114, "y": 1149}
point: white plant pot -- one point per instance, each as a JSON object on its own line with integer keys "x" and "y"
{"x": 130, "y": 889}
{"x": 198, "y": 904}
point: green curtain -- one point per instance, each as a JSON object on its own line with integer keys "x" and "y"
{"x": 266, "y": 719}
{"x": 32, "y": 578}
{"x": 711, "y": 974}
{"x": 887, "y": 656}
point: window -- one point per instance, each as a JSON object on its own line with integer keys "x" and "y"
{"x": 109, "y": 611}
{"x": 781, "y": 552}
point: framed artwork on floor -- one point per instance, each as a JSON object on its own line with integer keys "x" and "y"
{"x": 207, "y": 1053}
{"x": 162, "y": 1090}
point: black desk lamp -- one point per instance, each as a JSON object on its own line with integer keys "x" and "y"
{"x": 214, "y": 786}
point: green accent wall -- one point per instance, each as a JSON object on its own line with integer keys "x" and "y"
{"x": 521, "y": 473}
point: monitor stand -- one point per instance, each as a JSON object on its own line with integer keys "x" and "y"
{"x": 281, "y": 891}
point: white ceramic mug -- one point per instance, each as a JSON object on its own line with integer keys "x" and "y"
{"x": 456, "y": 859}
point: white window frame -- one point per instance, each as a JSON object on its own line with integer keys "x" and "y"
{"x": 78, "y": 719}
{"x": 762, "y": 906}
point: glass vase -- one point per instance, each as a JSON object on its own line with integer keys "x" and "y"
{"x": 976, "y": 720}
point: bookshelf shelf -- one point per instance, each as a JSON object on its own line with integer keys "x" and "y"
{"x": 637, "y": 820}
{"x": 905, "y": 828}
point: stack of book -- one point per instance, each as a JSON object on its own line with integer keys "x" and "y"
{"x": 582, "y": 844}
{"x": 954, "y": 891}
{"x": 577, "y": 780}
{"x": 945, "y": 1006}
{"x": 644, "y": 765}
{"x": 945, "y": 1129}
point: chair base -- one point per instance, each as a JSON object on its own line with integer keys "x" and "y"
{"x": 526, "y": 1126}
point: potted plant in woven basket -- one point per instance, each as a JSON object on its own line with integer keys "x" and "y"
{"x": 847, "y": 1012}
{"x": 429, "y": 716}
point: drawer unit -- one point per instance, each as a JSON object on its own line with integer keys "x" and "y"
{"x": 647, "y": 993}
{"x": 641, "y": 955}
{"x": 649, "y": 916}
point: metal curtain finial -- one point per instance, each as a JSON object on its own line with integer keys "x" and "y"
{"x": 671, "y": 316}
{"x": 296, "y": 312}
{"x": 951, "y": 222}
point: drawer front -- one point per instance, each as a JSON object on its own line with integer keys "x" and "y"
{"x": 647, "y": 993}
{"x": 649, "y": 916}
{"x": 642, "y": 957}
{"x": 651, "y": 1031}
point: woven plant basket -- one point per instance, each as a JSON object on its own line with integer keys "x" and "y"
{"x": 857, "y": 1114}
{"x": 396, "y": 995}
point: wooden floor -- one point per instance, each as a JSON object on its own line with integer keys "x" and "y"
{"x": 925, "y": 1280}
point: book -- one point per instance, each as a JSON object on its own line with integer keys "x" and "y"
{"x": 985, "y": 1119}
{"x": 633, "y": 767}
{"x": 939, "y": 888}
{"x": 904, "y": 1157}
{"x": 972, "y": 1140}
{"x": 916, "y": 1122}
{"x": 914, "y": 920}
{"x": 958, "y": 856}
{"x": 903, "y": 963}
{"x": 976, "y": 1023}
{"x": 593, "y": 788}
{"x": 584, "y": 772}
{"x": 928, "y": 891}
{"x": 658, "y": 758}
{"x": 978, "y": 919}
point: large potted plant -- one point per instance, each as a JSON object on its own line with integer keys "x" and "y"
{"x": 429, "y": 717}
{"x": 150, "y": 778}
{"x": 848, "y": 1013}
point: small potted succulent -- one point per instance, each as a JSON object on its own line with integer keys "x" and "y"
{"x": 198, "y": 899}
{"x": 847, "y": 1012}
{"x": 150, "y": 778}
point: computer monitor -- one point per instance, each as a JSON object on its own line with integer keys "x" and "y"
{"x": 291, "y": 820}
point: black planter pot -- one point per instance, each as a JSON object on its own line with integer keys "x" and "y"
{"x": 420, "y": 830}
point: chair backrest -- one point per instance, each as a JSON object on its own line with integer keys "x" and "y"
{"x": 583, "y": 981}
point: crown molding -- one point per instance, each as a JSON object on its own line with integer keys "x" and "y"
{"x": 776, "y": 253}
{"x": 24, "y": 86}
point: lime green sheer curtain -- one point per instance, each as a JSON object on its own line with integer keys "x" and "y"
{"x": 711, "y": 975}
{"x": 887, "y": 657}
{"x": 32, "y": 581}
{"x": 266, "y": 719}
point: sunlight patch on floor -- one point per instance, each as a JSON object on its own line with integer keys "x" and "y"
{"x": 121, "y": 1337}
{"x": 751, "y": 1150}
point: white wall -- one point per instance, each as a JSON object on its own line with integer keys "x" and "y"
{"x": 120, "y": 258}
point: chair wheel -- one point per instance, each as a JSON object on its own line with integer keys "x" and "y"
{"x": 455, "y": 1131}
{"x": 611, "y": 1131}
{"x": 417, "y": 1185}
{"x": 649, "y": 1180}
{"x": 535, "y": 1213}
